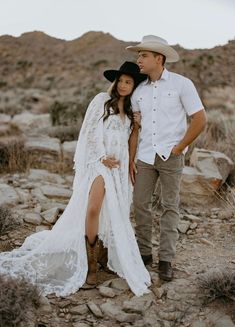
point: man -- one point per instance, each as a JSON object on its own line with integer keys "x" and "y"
{"x": 164, "y": 100}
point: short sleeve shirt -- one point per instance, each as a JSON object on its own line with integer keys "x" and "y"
{"x": 164, "y": 106}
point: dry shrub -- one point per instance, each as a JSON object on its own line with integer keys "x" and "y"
{"x": 8, "y": 221}
{"x": 13, "y": 155}
{"x": 17, "y": 298}
{"x": 218, "y": 284}
{"x": 65, "y": 133}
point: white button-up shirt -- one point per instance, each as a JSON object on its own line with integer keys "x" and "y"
{"x": 164, "y": 106}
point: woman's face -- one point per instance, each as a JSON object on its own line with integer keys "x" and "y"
{"x": 125, "y": 85}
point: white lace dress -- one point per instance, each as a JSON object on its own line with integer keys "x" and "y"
{"x": 56, "y": 260}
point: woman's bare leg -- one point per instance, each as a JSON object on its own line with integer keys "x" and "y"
{"x": 95, "y": 201}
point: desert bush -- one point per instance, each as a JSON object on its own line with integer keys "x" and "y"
{"x": 17, "y": 297}
{"x": 13, "y": 155}
{"x": 66, "y": 113}
{"x": 7, "y": 220}
{"x": 65, "y": 133}
{"x": 218, "y": 284}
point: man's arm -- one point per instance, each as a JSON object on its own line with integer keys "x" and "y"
{"x": 196, "y": 126}
{"x": 133, "y": 141}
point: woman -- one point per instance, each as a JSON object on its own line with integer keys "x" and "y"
{"x": 61, "y": 260}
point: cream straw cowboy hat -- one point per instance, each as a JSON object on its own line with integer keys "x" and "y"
{"x": 156, "y": 44}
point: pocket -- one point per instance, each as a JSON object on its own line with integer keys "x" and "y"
{"x": 170, "y": 98}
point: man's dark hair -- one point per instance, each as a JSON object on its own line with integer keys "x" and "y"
{"x": 163, "y": 57}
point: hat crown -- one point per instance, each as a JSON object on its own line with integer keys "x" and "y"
{"x": 154, "y": 39}
{"x": 130, "y": 67}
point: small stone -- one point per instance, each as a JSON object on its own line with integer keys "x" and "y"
{"x": 138, "y": 304}
{"x": 95, "y": 309}
{"x": 119, "y": 284}
{"x": 115, "y": 312}
{"x": 183, "y": 226}
{"x": 107, "y": 291}
{"x": 50, "y": 215}
{"x": 207, "y": 242}
{"x": 80, "y": 309}
{"x": 191, "y": 218}
{"x": 193, "y": 226}
{"x": 33, "y": 218}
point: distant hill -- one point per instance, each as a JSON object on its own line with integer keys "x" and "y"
{"x": 36, "y": 60}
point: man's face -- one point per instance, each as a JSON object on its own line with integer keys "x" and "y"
{"x": 148, "y": 62}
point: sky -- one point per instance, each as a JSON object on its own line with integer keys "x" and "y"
{"x": 190, "y": 23}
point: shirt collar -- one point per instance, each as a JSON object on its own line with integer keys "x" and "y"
{"x": 165, "y": 76}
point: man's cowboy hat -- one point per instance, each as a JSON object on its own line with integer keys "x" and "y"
{"x": 128, "y": 68}
{"x": 156, "y": 44}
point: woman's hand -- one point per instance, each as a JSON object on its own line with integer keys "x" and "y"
{"x": 110, "y": 162}
{"x": 137, "y": 118}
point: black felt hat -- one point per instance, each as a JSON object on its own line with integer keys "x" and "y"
{"x": 128, "y": 68}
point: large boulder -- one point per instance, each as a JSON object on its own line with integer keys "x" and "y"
{"x": 8, "y": 196}
{"x": 208, "y": 171}
{"x": 43, "y": 151}
{"x": 27, "y": 121}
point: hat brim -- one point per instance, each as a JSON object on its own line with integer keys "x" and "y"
{"x": 112, "y": 74}
{"x": 170, "y": 53}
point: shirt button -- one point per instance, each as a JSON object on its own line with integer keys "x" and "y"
{"x": 155, "y": 97}
{"x": 154, "y": 121}
{"x": 154, "y": 109}
{"x": 155, "y": 86}
{"x": 154, "y": 133}
{"x": 154, "y": 145}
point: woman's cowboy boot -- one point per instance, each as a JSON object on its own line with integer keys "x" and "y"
{"x": 103, "y": 255}
{"x": 92, "y": 254}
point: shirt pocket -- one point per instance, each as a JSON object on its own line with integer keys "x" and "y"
{"x": 170, "y": 99}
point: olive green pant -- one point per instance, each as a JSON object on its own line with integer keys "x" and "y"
{"x": 169, "y": 173}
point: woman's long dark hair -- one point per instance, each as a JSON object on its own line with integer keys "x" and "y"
{"x": 113, "y": 102}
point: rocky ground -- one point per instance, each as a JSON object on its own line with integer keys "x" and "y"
{"x": 206, "y": 243}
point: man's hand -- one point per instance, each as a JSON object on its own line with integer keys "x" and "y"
{"x": 132, "y": 171}
{"x": 177, "y": 150}
{"x": 110, "y": 162}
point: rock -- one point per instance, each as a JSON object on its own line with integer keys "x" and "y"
{"x": 51, "y": 215}
{"x": 68, "y": 149}
{"x": 107, "y": 291}
{"x": 28, "y": 121}
{"x": 80, "y": 309}
{"x": 138, "y": 304}
{"x": 80, "y": 324}
{"x": 114, "y": 311}
{"x": 5, "y": 118}
{"x": 207, "y": 242}
{"x": 193, "y": 226}
{"x": 45, "y": 306}
{"x": 8, "y": 195}
{"x": 198, "y": 188}
{"x": 33, "y": 218}
{"x": 191, "y": 218}
{"x": 199, "y": 323}
{"x": 219, "y": 319}
{"x": 41, "y": 228}
{"x": 226, "y": 214}
{"x": 159, "y": 291}
{"x": 56, "y": 192}
{"x": 95, "y": 309}
{"x": 183, "y": 226}
{"x": 215, "y": 164}
{"x": 43, "y": 151}
{"x": 155, "y": 279}
{"x": 119, "y": 284}
{"x": 42, "y": 175}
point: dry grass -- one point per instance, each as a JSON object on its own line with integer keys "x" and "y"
{"x": 7, "y": 220}
{"x": 13, "y": 155}
{"x": 17, "y": 298}
{"x": 218, "y": 284}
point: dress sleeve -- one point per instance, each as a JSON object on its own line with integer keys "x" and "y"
{"x": 90, "y": 146}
